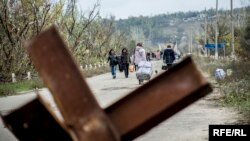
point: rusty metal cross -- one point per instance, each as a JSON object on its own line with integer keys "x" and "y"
{"x": 83, "y": 118}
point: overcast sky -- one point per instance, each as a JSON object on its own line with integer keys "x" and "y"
{"x": 125, "y": 8}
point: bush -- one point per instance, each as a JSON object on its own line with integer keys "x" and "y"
{"x": 6, "y": 90}
{"x": 237, "y": 87}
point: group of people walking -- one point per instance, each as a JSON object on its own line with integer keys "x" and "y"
{"x": 138, "y": 55}
{"x": 125, "y": 59}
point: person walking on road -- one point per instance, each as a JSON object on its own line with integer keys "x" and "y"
{"x": 119, "y": 62}
{"x": 168, "y": 56}
{"x": 112, "y": 59}
{"x": 125, "y": 60}
{"x": 139, "y": 55}
{"x": 158, "y": 55}
{"x": 148, "y": 56}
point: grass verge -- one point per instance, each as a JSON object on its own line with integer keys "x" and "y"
{"x": 234, "y": 87}
{"x": 13, "y": 88}
{"x": 94, "y": 72}
{"x": 7, "y": 89}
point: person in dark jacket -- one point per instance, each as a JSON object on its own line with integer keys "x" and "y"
{"x": 168, "y": 56}
{"x": 112, "y": 59}
{"x": 148, "y": 56}
{"x": 125, "y": 60}
{"x": 161, "y": 52}
{"x": 119, "y": 63}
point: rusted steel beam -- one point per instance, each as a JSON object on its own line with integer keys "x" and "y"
{"x": 79, "y": 108}
{"x": 157, "y": 100}
{"x": 35, "y": 122}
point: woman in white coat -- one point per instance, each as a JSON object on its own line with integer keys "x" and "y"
{"x": 139, "y": 55}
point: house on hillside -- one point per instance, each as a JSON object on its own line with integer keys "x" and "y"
{"x": 172, "y": 22}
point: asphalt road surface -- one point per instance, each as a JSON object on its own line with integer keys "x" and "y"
{"x": 191, "y": 124}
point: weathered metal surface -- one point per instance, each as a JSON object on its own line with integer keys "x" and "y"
{"x": 157, "y": 100}
{"x": 35, "y": 122}
{"x": 79, "y": 108}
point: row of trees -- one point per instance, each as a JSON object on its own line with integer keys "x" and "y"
{"x": 89, "y": 36}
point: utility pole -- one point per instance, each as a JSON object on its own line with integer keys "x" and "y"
{"x": 205, "y": 40}
{"x": 216, "y": 32}
{"x": 189, "y": 46}
{"x": 191, "y": 43}
{"x": 232, "y": 31}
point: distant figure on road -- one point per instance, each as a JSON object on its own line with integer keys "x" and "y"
{"x": 158, "y": 55}
{"x": 168, "y": 56}
{"x": 125, "y": 60}
{"x": 139, "y": 55}
{"x": 153, "y": 54}
{"x": 161, "y": 52}
{"x": 113, "y": 61}
{"x": 148, "y": 56}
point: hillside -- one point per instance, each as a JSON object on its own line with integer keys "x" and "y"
{"x": 169, "y": 27}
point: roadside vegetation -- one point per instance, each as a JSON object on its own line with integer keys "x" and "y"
{"x": 10, "y": 88}
{"x": 235, "y": 87}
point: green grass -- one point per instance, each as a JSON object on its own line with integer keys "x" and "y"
{"x": 13, "y": 88}
{"x": 236, "y": 87}
{"x": 242, "y": 102}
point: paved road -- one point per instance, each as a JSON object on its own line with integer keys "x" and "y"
{"x": 191, "y": 124}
